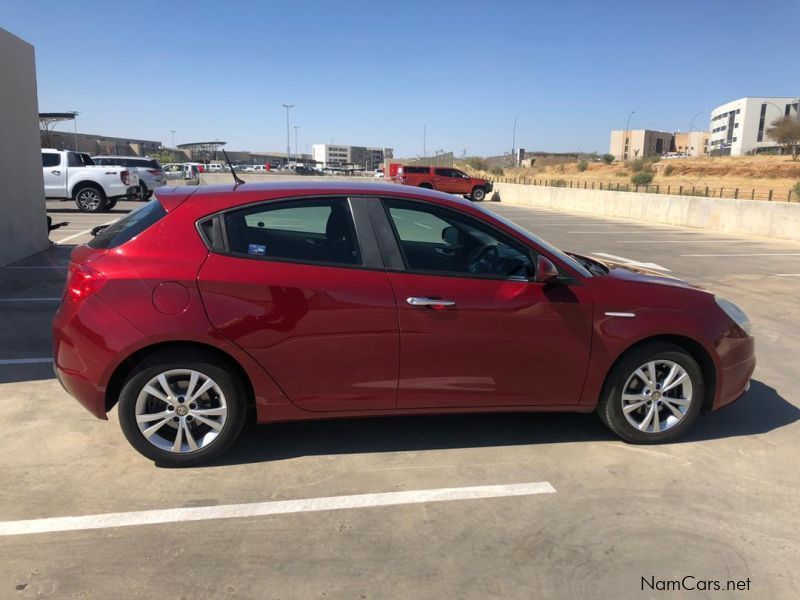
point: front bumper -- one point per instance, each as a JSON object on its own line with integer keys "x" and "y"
{"x": 738, "y": 363}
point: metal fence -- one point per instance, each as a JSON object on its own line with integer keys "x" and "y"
{"x": 677, "y": 190}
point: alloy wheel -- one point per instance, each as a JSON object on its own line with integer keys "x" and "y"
{"x": 181, "y": 411}
{"x": 657, "y": 396}
{"x": 89, "y": 199}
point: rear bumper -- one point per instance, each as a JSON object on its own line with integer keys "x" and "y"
{"x": 87, "y": 339}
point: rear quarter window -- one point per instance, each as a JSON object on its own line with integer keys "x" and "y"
{"x": 129, "y": 226}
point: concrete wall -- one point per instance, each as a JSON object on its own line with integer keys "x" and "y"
{"x": 23, "y": 228}
{"x": 751, "y": 217}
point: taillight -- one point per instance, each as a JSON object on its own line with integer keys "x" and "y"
{"x": 83, "y": 282}
{"x": 125, "y": 176}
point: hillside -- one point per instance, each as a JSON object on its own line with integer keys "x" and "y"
{"x": 763, "y": 173}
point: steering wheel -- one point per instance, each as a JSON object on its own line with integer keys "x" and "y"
{"x": 488, "y": 255}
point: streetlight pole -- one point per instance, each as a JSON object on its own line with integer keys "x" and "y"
{"x": 296, "y": 127}
{"x": 514, "y": 141}
{"x": 625, "y": 140}
{"x": 288, "y": 145}
{"x": 75, "y": 128}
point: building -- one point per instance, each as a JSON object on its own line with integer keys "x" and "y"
{"x": 740, "y": 127}
{"x": 358, "y": 157}
{"x": 98, "y": 144}
{"x": 639, "y": 143}
{"x": 694, "y": 143}
{"x": 23, "y": 228}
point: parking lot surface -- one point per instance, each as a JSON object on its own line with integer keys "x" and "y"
{"x": 721, "y": 504}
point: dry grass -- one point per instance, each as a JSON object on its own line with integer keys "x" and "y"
{"x": 763, "y": 173}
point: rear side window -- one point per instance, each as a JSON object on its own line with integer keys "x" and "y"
{"x": 315, "y": 230}
{"x": 50, "y": 160}
{"x": 129, "y": 227}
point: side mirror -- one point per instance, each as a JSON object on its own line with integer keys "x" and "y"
{"x": 546, "y": 271}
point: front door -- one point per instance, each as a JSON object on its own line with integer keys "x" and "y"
{"x": 445, "y": 181}
{"x": 475, "y": 331}
{"x": 297, "y": 292}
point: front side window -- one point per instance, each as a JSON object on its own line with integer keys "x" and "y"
{"x": 319, "y": 231}
{"x": 440, "y": 241}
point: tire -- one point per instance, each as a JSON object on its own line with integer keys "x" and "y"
{"x": 636, "y": 424}
{"x": 90, "y": 198}
{"x": 426, "y": 186}
{"x": 478, "y": 194}
{"x": 225, "y": 399}
{"x": 144, "y": 194}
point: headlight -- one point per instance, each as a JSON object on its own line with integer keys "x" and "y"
{"x": 734, "y": 312}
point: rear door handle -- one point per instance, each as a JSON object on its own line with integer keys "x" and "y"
{"x": 432, "y": 302}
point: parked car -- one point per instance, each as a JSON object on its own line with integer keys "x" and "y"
{"x": 449, "y": 180}
{"x": 215, "y": 167}
{"x": 378, "y": 174}
{"x": 187, "y": 171}
{"x": 151, "y": 174}
{"x": 295, "y": 300}
{"x": 671, "y": 155}
{"x": 74, "y": 175}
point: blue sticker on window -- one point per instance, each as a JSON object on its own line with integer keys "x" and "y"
{"x": 257, "y": 249}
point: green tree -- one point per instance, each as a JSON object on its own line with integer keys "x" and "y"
{"x": 642, "y": 178}
{"x": 786, "y": 132}
{"x": 608, "y": 158}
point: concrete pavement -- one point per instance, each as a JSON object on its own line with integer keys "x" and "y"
{"x": 721, "y": 504}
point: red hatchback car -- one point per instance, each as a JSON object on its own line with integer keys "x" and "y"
{"x": 306, "y": 301}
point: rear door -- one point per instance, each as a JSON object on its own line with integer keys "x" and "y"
{"x": 300, "y": 285}
{"x": 55, "y": 175}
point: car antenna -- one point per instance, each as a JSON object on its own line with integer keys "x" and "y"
{"x": 236, "y": 178}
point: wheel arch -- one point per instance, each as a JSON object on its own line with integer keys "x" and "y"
{"x": 126, "y": 367}
{"x": 694, "y": 348}
{"x": 85, "y": 183}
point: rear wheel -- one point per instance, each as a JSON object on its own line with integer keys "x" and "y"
{"x": 144, "y": 193}
{"x": 182, "y": 410}
{"x": 478, "y": 194}
{"x": 426, "y": 186}
{"x": 90, "y": 199}
{"x": 653, "y": 395}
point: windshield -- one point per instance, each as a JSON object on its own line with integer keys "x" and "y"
{"x": 563, "y": 257}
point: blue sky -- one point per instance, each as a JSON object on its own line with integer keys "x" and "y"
{"x": 374, "y": 73}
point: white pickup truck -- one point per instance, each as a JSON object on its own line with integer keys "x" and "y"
{"x": 69, "y": 174}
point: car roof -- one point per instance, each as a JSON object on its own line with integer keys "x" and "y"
{"x": 224, "y": 196}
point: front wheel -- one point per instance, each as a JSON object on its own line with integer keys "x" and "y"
{"x": 654, "y": 394}
{"x": 478, "y": 194}
{"x": 182, "y": 409}
{"x": 90, "y": 199}
{"x": 144, "y": 193}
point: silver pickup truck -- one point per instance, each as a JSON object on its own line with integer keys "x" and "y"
{"x": 94, "y": 188}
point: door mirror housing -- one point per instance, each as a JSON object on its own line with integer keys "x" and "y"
{"x": 546, "y": 271}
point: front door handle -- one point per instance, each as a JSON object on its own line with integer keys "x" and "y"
{"x": 437, "y": 303}
{"x": 56, "y": 172}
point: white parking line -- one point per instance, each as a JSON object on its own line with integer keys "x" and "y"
{"x": 753, "y": 254}
{"x": 24, "y": 361}
{"x": 261, "y": 509}
{"x": 787, "y": 275}
{"x": 79, "y": 234}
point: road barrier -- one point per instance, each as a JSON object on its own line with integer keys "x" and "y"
{"x": 770, "y": 219}
{"x": 657, "y": 188}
